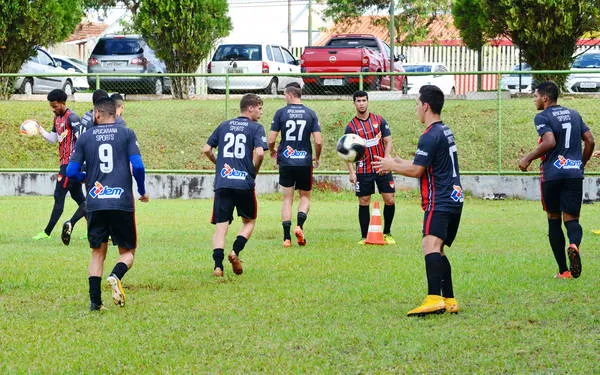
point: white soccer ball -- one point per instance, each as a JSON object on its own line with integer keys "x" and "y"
{"x": 29, "y": 128}
{"x": 351, "y": 147}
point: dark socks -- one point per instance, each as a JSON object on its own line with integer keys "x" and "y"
{"x": 574, "y": 232}
{"x": 95, "y": 293}
{"x": 433, "y": 267}
{"x": 238, "y": 244}
{"x": 447, "y": 290}
{"x": 364, "y": 216}
{"x": 301, "y": 218}
{"x": 120, "y": 270}
{"x": 388, "y": 217}
{"x": 286, "y": 230}
{"x": 557, "y": 243}
{"x": 218, "y": 256}
{"x": 79, "y": 213}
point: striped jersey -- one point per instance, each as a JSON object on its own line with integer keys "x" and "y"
{"x": 373, "y": 130}
{"x": 66, "y": 127}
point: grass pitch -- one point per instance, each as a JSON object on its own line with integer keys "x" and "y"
{"x": 330, "y": 307}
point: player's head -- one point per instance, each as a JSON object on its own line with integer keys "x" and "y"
{"x": 97, "y": 95}
{"x": 105, "y": 111}
{"x": 361, "y": 101}
{"x": 58, "y": 101}
{"x": 292, "y": 91}
{"x": 251, "y": 106}
{"x": 119, "y": 103}
{"x": 545, "y": 95}
{"x": 430, "y": 100}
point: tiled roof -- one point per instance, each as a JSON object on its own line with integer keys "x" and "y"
{"x": 87, "y": 30}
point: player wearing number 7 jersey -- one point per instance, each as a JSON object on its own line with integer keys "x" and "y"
{"x": 436, "y": 166}
{"x": 297, "y": 123}
{"x": 561, "y": 131}
{"x": 112, "y": 155}
{"x": 241, "y": 143}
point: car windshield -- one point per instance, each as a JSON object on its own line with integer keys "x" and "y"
{"x": 590, "y": 60}
{"x": 118, "y": 46}
{"x": 238, "y": 52}
{"x": 354, "y": 42}
{"x": 524, "y": 67}
{"x": 417, "y": 68}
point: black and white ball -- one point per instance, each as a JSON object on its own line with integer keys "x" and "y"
{"x": 351, "y": 147}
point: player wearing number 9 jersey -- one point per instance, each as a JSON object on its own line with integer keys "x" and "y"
{"x": 436, "y": 166}
{"x": 241, "y": 143}
{"x": 297, "y": 123}
{"x": 111, "y": 154}
{"x": 561, "y": 131}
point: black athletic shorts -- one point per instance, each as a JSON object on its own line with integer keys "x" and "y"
{"x": 563, "y": 196}
{"x": 441, "y": 224}
{"x": 365, "y": 184}
{"x": 299, "y": 177}
{"x": 65, "y": 184}
{"x": 228, "y": 199}
{"x": 119, "y": 225}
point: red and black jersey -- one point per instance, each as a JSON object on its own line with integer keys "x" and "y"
{"x": 66, "y": 127}
{"x": 373, "y": 130}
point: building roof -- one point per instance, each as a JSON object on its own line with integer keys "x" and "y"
{"x": 87, "y": 30}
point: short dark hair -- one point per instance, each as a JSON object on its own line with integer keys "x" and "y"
{"x": 250, "y": 100}
{"x": 549, "y": 89}
{"x": 106, "y": 105}
{"x": 359, "y": 94}
{"x": 97, "y": 95}
{"x": 294, "y": 88}
{"x": 57, "y": 95}
{"x": 433, "y": 96}
{"x": 117, "y": 98}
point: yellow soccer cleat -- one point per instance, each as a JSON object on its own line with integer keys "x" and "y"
{"x": 431, "y": 305}
{"x": 451, "y": 305}
{"x": 361, "y": 242}
{"x": 40, "y": 236}
{"x": 118, "y": 293}
{"x": 389, "y": 239}
{"x": 596, "y": 231}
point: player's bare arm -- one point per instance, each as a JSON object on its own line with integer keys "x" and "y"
{"x": 387, "y": 145}
{"x": 404, "y": 167}
{"x": 271, "y": 142}
{"x": 259, "y": 155}
{"x": 208, "y": 151}
{"x": 548, "y": 143}
{"x": 588, "y": 147}
{"x": 318, "y": 141}
{"x": 351, "y": 172}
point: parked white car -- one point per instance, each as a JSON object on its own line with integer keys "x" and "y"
{"x": 42, "y": 63}
{"x": 265, "y": 60}
{"x": 585, "y": 82}
{"x": 516, "y": 82}
{"x": 444, "y": 82}
{"x": 71, "y": 64}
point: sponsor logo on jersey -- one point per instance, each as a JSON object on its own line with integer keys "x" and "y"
{"x": 105, "y": 192}
{"x": 564, "y": 163}
{"x": 375, "y": 125}
{"x": 373, "y": 141}
{"x": 232, "y": 174}
{"x": 422, "y": 153}
{"x": 290, "y": 153}
{"x": 457, "y": 193}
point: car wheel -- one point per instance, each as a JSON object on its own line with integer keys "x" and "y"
{"x": 272, "y": 87}
{"x": 158, "y": 87}
{"x": 68, "y": 88}
{"x": 27, "y": 87}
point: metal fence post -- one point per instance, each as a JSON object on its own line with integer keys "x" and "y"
{"x": 227, "y": 96}
{"x": 360, "y": 81}
{"x": 499, "y": 125}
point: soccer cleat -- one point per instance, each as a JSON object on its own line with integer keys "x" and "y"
{"x": 564, "y": 275}
{"x": 431, "y": 305}
{"x": 94, "y": 307}
{"x": 236, "y": 263}
{"x": 218, "y": 272}
{"x": 451, "y": 305}
{"x": 118, "y": 293}
{"x": 361, "y": 242}
{"x": 575, "y": 260}
{"x": 389, "y": 239}
{"x": 287, "y": 243}
{"x": 300, "y": 236}
{"x": 41, "y": 236}
{"x": 65, "y": 235}
{"x": 596, "y": 231}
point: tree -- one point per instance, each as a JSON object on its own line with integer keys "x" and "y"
{"x": 27, "y": 23}
{"x": 182, "y": 34}
{"x": 546, "y": 31}
{"x": 132, "y": 5}
{"x": 411, "y": 20}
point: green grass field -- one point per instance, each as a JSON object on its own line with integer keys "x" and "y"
{"x": 331, "y": 307}
{"x": 172, "y": 133}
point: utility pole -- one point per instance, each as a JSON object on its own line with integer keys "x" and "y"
{"x": 310, "y": 22}
{"x": 392, "y": 38}
{"x": 289, "y": 23}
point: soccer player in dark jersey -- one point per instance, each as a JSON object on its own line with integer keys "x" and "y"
{"x": 87, "y": 120}
{"x": 241, "y": 143}
{"x": 375, "y": 130}
{"x": 64, "y": 131}
{"x": 436, "y": 166}
{"x": 112, "y": 155}
{"x": 561, "y": 131}
{"x": 120, "y": 103}
{"x": 297, "y": 123}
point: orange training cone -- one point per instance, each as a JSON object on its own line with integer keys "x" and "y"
{"x": 375, "y": 235}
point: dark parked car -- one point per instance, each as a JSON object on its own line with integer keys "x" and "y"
{"x": 127, "y": 54}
